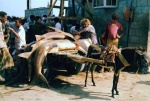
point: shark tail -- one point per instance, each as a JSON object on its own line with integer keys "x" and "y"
{"x": 41, "y": 78}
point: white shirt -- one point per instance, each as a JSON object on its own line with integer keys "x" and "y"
{"x": 73, "y": 30}
{"x": 94, "y": 36}
{"x": 20, "y": 41}
{"x": 58, "y": 25}
{"x": 1, "y": 26}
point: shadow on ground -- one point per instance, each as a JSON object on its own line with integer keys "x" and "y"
{"x": 61, "y": 86}
{"x": 64, "y": 87}
{"x": 144, "y": 82}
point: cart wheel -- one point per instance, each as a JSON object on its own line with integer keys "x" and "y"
{"x": 76, "y": 68}
{"x": 70, "y": 68}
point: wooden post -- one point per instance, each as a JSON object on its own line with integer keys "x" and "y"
{"x": 61, "y": 8}
{"x": 51, "y": 1}
{"x": 73, "y": 8}
{"x": 61, "y": 12}
{"x": 88, "y": 5}
{"x": 51, "y": 8}
{"x": 90, "y": 14}
{"x": 28, "y": 4}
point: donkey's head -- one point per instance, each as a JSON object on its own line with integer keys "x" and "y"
{"x": 142, "y": 60}
{"x": 138, "y": 59}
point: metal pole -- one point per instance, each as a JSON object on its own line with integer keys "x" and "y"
{"x": 28, "y": 4}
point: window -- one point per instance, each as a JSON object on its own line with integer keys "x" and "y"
{"x": 104, "y": 3}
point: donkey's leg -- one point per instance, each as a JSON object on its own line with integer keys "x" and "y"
{"x": 92, "y": 72}
{"x": 117, "y": 79}
{"x": 114, "y": 80}
{"x": 113, "y": 87}
{"x": 87, "y": 69}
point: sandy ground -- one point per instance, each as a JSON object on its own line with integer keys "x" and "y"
{"x": 65, "y": 87}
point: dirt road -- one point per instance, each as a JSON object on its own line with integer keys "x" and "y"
{"x": 65, "y": 87}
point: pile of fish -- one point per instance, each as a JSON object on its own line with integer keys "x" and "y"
{"x": 52, "y": 42}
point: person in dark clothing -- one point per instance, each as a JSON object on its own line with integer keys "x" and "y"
{"x": 38, "y": 27}
{"x": 29, "y": 34}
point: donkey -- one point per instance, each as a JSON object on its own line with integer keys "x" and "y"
{"x": 138, "y": 59}
{"x": 114, "y": 59}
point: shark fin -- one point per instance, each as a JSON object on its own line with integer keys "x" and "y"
{"x": 25, "y": 55}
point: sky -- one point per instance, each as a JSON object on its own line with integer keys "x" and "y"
{"x": 18, "y": 7}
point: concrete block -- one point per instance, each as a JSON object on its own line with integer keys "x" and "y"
{"x": 135, "y": 25}
{"x": 140, "y": 33}
{"x": 134, "y": 39}
{"x": 133, "y": 45}
{"x": 138, "y": 10}
{"x": 134, "y": 3}
{"x": 143, "y": 40}
{"x": 122, "y": 3}
{"x": 138, "y": 17}
{"x": 132, "y": 32}
{"x": 145, "y": 9}
{"x": 148, "y": 2}
{"x": 142, "y": 3}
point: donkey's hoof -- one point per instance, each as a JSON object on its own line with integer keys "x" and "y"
{"x": 112, "y": 96}
{"x": 117, "y": 93}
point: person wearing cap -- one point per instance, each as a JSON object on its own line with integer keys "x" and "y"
{"x": 112, "y": 29}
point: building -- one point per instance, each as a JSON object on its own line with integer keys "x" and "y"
{"x": 37, "y": 12}
{"x": 134, "y": 16}
{"x": 136, "y": 29}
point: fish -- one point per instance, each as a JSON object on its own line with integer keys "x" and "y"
{"x": 41, "y": 39}
{"x": 83, "y": 44}
{"x": 34, "y": 46}
{"x": 37, "y": 58}
{"x": 38, "y": 55}
{"x": 50, "y": 35}
{"x": 43, "y": 45}
{"x": 42, "y": 51}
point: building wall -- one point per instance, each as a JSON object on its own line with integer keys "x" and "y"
{"x": 70, "y": 12}
{"x": 135, "y": 33}
{"x": 37, "y": 11}
{"x": 138, "y": 31}
{"x": 148, "y": 42}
